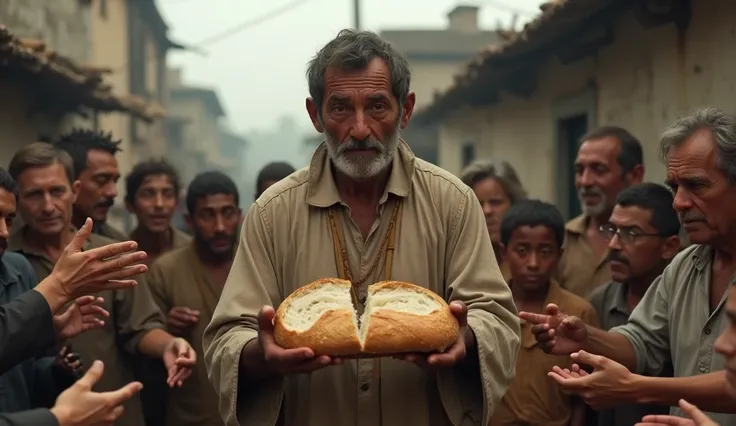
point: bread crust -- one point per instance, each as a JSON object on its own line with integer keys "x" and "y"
{"x": 334, "y": 333}
{"x": 391, "y": 332}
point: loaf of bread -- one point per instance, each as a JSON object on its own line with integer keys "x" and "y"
{"x": 398, "y": 318}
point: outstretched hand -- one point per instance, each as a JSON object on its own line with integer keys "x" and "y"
{"x": 696, "y": 418}
{"x": 608, "y": 385}
{"x": 109, "y": 267}
{"x": 556, "y": 333}
{"x": 86, "y": 313}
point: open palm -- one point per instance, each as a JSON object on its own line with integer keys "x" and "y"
{"x": 85, "y": 313}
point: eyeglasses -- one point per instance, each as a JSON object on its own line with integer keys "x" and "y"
{"x": 626, "y": 236}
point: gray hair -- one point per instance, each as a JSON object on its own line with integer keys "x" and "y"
{"x": 354, "y": 50}
{"x": 721, "y": 125}
{"x": 501, "y": 172}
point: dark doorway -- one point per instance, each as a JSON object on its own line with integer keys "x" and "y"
{"x": 569, "y": 130}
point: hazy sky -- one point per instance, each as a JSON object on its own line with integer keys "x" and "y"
{"x": 259, "y": 72}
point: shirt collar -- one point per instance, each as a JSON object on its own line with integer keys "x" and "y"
{"x": 322, "y": 191}
{"x": 577, "y": 225}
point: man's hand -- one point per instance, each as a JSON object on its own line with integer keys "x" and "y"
{"x": 287, "y": 361}
{"x": 697, "y": 418}
{"x": 83, "y": 315}
{"x": 557, "y": 333}
{"x": 607, "y": 386}
{"x": 180, "y": 320}
{"x": 79, "y": 406}
{"x": 455, "y": 353}
{"x": 79, "y": 273}
{"x": 179, "y": 359}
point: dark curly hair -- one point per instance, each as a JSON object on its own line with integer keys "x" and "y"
{"x": 79, "y": 142}
{"x": 144, "y": 169}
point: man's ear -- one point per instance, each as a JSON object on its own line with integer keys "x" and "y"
{"x": 313, "y": 111}
{"x": 671, "y": 247}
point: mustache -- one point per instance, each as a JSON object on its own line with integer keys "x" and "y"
{"x": 590, "y": 190}
{"x": 109, "y": 202}
{"x": 691, "y": 216}
{"x": 618, "y": 257}
{"x": 365, "y": 144}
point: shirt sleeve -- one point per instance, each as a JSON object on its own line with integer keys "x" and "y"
{"x": 136, "y": 314}
{"x": 473, "y": 277}
{"x": 252, "y": 283}
{"x": 39, "y": 417}
{"x": 157, "y": 286}
{"x": 648, "y": 326}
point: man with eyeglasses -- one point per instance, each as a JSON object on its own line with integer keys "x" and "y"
{"x": 642, "y": 236}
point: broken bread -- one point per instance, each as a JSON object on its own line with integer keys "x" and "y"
{"x": 398, "y": 318}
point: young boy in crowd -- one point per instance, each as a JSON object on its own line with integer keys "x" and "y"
{"x": 532, "y": 232}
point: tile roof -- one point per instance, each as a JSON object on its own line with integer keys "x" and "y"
{"x": 77, "y": 84}
{"x": 558, "y": 20}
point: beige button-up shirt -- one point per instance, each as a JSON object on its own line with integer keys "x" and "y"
{"x": 673, "y": 322}
{"x": 441, "y": 243}
{"x": 579, "y": 271}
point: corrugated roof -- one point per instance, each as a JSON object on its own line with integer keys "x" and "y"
{"x": 76, "y": 84}
{"x": 439, "y": 42}
{"x": 557, "y": 22}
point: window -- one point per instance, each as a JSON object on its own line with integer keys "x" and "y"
{"x": 468, "y": 153}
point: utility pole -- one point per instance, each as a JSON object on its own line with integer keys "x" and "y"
{"x": 356, "y": 14}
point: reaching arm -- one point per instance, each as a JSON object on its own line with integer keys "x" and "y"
{"x": 39, "y": 417}
{"x": 611, "y": 345}
{"x": 26, "y": 328}
{"x": 706, "y": 391}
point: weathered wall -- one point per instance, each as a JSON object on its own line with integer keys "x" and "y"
{"x": 642, "y": 82}
{"x": 63, "y": 25}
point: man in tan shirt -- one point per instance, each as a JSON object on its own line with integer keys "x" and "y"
{"x": 135, "y": 327}
{"x": 187, "y": 282}
{"x": 363, "y": 191}
{"x": 609, "y": 160}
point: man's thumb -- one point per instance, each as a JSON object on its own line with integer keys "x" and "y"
{"x": 81, "y": 236}
{"x": 265, "y": 318}
{"x": 92, "y": 376}
{"x": 552, "y": 309}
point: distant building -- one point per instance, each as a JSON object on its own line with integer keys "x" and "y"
{"x": 435, "y": 56}
{"x": 579, "y": 65}
{"x": 194, "y": 118}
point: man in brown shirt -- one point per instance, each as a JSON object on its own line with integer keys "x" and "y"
{"x": 270, "y": 174}
{"x": 187, "y": 282}
{"x": 363, "y": 191}
{"x": 152, "y": 193}
{"x": 96, "y": 169}
{"x": 46, "y": 194}
{"x": 609, "y": 160}
{"x": 531, "y": 233}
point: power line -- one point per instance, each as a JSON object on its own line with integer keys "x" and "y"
{"x": 237, "y": 29}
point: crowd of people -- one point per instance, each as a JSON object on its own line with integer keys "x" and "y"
{"x": 610, "y": 319}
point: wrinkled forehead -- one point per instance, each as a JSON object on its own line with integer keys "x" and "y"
{"x": 372, "y": 81}
{"x": 604, "y": 151}
{"x": 630, "y": 217}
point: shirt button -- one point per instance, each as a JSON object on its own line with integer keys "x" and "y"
{"x": 702, "y": 368}
{"x": 707, "y": 331}
{"x": 365, "y": 387}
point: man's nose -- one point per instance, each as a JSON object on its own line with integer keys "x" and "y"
{"x": 111, "y": 190}
{"x": 681, "y": 201}
{"x": 360, "y": 130}
{"x": 586, "y": 178}
{"x": 615, "y": 242}
{"x": 532, "y": 262}
{"x": 4, "y": 229}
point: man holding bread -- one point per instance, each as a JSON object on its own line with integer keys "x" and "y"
{"x": 351, "y": 351}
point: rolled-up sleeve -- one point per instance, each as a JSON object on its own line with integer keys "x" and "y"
{"x": 648, "y": 326}
{"x": 136, "y": 314}
{"x": 252, "y": 283}
{"x": 473, "y": 277}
